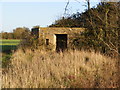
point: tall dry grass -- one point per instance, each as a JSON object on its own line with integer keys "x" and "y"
{"x": 78, "y": 69}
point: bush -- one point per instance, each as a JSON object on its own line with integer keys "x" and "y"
{"x": 29, "y": 42}
{"x": 6, "y": 60}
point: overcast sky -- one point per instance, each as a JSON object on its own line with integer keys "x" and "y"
{"x": 28, "y": 13}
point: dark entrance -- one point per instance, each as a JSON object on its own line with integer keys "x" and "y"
{"x": 47, "y": 41}
{"x": 61, "y": 42}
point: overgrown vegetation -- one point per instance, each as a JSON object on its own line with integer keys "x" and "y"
{"x": 30, "y": 42}
{"x": 70, "y": 69}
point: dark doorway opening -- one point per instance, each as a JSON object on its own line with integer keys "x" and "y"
{"x": 47, "y": 41}
{"x": 61, "y": 42}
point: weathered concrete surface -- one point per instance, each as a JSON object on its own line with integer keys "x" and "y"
{"x": 50, "y": 33}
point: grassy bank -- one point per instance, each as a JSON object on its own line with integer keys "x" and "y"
{"x": 76, "y": 69}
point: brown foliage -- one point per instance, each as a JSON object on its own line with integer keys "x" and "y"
{"x": 40, "y": 69}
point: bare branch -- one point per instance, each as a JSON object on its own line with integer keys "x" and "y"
{"x": 77, "y": 1}
{"x": 66, "y": 7}
{"x": 110, "y": 46}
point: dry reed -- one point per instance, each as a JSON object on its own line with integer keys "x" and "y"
{"x": 78, "y": 69}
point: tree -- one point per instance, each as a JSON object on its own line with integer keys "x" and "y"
{"x": 10, "y": 36}
{"x": 4, "y": 35}
{"x": 102, "y": 28}
{"x": 20, "y": 32}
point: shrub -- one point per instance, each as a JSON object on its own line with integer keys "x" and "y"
{"x": 29, "y": 42}
{"x": 6, "y": 60}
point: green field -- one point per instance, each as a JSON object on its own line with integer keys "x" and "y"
{"x": 7, "y": 45}
{"x": 9, "y": 41}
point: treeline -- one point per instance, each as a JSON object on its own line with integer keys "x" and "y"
{"x": 18, "y": 33}
{"x": 102, "y": 28}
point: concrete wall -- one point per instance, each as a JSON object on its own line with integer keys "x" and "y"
{"x": 49, "y": 33}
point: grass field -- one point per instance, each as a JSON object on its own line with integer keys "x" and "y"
{"x": 70, "y": 69}
{"x": 8, "y": 44}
